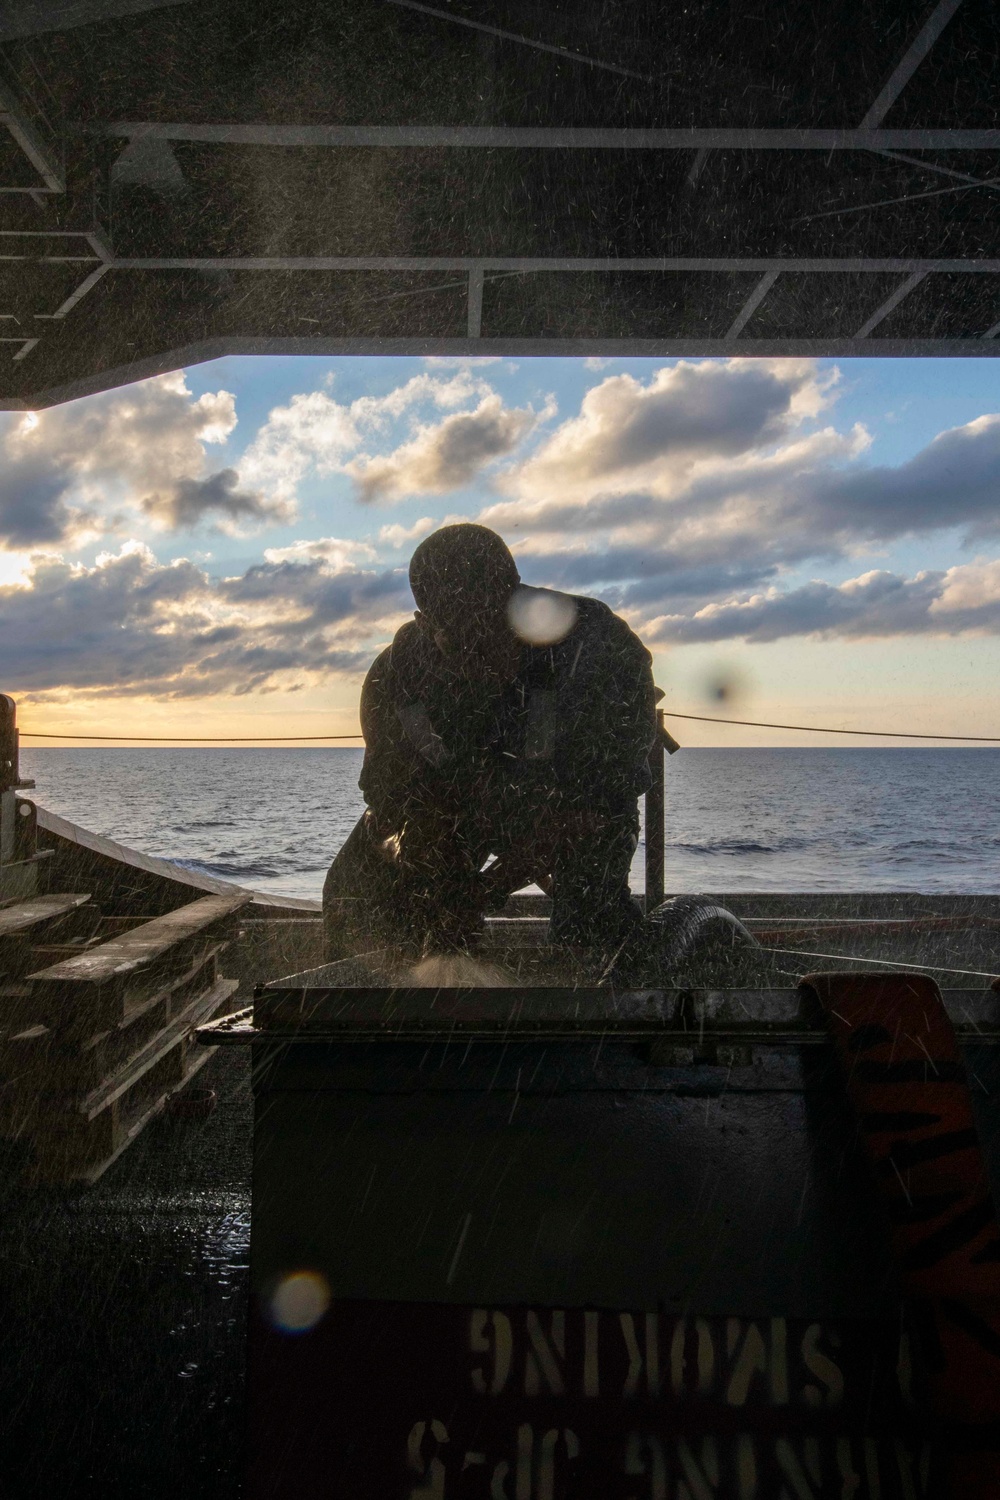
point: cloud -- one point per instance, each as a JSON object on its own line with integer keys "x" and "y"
{"x": 650, "y": 436}
{"x": 185, "y": 503}
{"x": 314, "y": 433}
{"x": 444, "y": 457}
{"x": 958, "y": 600}
{"x": 335, "y": 551}
{"x": 67, "y": 472}
{"x": 973, "y": 586}
{"x": 397, "y": 537}
{"x": 693, "y": 501}
{"x": 713, "y": 480}
{"x": 131, "y": 625}
{"x": 953, "y": 481}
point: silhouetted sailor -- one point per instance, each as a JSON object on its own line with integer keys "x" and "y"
{"x": 502, "y": 721}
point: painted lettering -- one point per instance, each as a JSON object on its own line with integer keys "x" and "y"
{"x": 746, "y": 1467}
{"x": 644, "y": 1455}
{"x": 848, "y": 1474}
{"x": 431, "y": 1469}
{"x": 591, "y": 1366}
{"x": 823, "y": 1367}
{"x": 701, "y": 1473}
{"x": 536, "y": 1464}
{"x": 704, "y": 1360}
{"x": 872, "y": 1470}
{"x": 500, "y": 1348}
{"x": 751, "y": 1359}
{"x": 540, "y": 1361}
{"x": 635, "y": 1357}
{"x": 802, "y": 1470}
{"x": 553, "y": 1442}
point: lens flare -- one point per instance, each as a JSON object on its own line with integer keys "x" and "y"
{"x": 299, "y": 1301}
{"x": 541, "y": 617}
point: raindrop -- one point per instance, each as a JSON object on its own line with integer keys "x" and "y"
{"x": 724, "y": 687}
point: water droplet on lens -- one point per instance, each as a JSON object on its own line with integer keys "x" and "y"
{"x": 299, "y": 1301}
{"x": 541, "y": 617}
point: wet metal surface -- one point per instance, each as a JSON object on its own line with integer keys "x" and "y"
{"x": 124, "y": 1315}
{"x": 748, "y": 1199}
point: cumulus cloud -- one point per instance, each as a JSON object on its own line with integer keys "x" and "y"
{"x": 314, "y": 433}
{"x": 973, "y": 586}
{"x": 184, "y": 503}
{"x": 334, "y": 551}
{"x": 443, "y": 457}
{"x": 634, "y": 435}
{"x": 131, "y": 625}
{"x": 687, "y": 500}
{"x": 405, "y": 536}
{"x": 65, "y": 472}
{"x": 953, "y": 481}
{"x": 954, "y": 601}
{"x": 712, "y": 480}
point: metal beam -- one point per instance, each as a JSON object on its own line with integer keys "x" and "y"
{"x": 890, "y": 304}
{"x": 475, "y": 302}
{"x": 30, "y": 142}
{"x": 910, "y": 62}
{"x": 752, "y": 303}
{"x": 561, "y": 138}
{"x": 76, "y": 296}
{"x": 663, "y": 348}
{"x": 26, "y": 347}
{"x": 530, "y": 264}
{"x": 933, "y": 167}
{"x": 35, "y": 17}
{"x": 515, "y": 36}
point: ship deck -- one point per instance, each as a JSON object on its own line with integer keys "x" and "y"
{"x": 124, "y": 1312}
{"x": 125, "y": 1303}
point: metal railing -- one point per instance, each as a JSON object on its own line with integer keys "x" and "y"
{"x": 655, "y": 849}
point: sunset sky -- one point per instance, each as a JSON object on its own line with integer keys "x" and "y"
{"x": 222, "y": 551}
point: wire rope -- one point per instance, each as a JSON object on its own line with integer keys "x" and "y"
{"x": 258, "y": 739}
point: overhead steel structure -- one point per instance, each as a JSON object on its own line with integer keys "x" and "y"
{"x": 183, "y": 180}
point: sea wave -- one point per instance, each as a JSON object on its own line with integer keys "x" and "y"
{"x": 742, "y": 846}
{"x": 238, "y": 872}
{"x": 806, "y": 820}
{"x": 204, "y": 823}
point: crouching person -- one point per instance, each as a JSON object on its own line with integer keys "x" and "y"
{"x": 507, "y": 735}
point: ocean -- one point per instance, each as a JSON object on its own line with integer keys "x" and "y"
{"x": 736, "y": 820}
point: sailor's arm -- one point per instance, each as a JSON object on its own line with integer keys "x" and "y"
{"x": 387, "y": 772}
{"x": 609, "y": 717}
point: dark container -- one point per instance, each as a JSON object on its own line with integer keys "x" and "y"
{"x": 541, "y": 1242}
